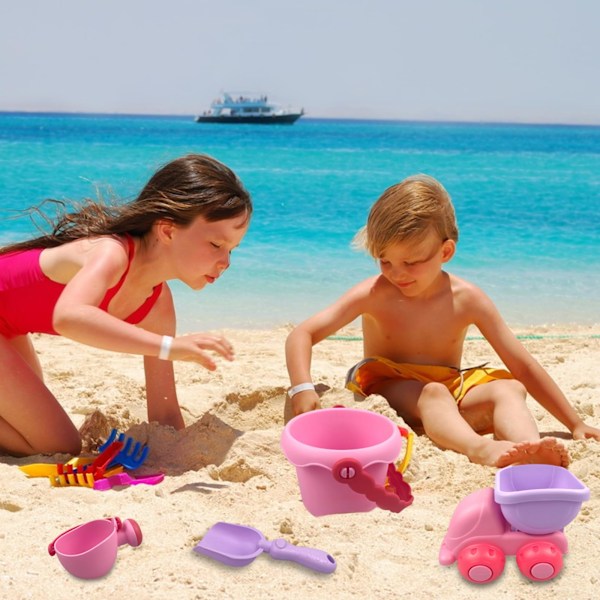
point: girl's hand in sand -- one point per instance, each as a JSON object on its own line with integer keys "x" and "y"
{"x": 581, "y": 431}
{"x": 193, "y": 347}
{"x": 305, "y": 402}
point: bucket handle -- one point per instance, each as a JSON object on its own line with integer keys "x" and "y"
{"x": 408, "y": 435}
{"x": 405, "y": 433}
{"x": 350, "y": 472}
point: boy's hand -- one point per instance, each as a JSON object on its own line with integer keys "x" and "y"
{"x": 581, "y": 431}
{"x": 305, "y": 402}
{"x": 300, "y": 403}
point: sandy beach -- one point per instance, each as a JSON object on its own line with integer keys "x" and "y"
{"x": 227, "y": 465}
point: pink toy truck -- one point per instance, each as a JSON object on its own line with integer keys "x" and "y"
{"x": 523, "y": 515}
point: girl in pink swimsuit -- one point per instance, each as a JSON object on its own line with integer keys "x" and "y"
{"x": 99, "y": 278}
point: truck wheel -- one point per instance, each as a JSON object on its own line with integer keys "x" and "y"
{"x": 481, "y": 563}
{"x": 539, "y": 561}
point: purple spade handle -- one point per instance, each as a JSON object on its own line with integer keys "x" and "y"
{"x": 308, "y": 557}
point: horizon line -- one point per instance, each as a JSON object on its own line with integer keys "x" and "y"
{"x": 305, "y": 118}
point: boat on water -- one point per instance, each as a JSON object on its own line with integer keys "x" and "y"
{"x": 238, "y": 108}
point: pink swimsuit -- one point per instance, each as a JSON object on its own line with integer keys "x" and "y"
{"x": 28, "y": 297}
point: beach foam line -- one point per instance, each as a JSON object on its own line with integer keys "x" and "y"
{"x": 525, "y": 336}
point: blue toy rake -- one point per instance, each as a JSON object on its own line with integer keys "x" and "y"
{"x": 132, "y": 455}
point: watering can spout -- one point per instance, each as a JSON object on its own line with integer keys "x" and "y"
{"x": 130, "y": 533}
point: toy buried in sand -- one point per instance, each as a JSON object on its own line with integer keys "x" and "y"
{"x": 121, "y": 479}
{"x": 78, "y": 471}
{"x": 89, "y": 551}
{"x": 101, "y": 473}
{"x": 132, "y": 454}
{"x": 523, "y": 515}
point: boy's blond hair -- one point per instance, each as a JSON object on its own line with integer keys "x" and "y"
{"x": 408, "y": 211}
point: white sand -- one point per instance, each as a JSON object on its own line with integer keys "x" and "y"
{"x": 227, "y": 465}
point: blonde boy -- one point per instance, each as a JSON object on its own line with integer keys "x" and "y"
{"x": 415, "y": 318}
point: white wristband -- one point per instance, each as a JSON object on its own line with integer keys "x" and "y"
{"x": 301, "y": 387}
{"x": 165, "y": 347}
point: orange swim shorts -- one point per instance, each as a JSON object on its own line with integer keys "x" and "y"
{"x": 363, "y": 377}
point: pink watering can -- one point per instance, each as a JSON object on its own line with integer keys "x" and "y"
{"x": 89, "y": 551}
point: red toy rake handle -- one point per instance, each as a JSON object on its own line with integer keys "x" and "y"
{"x": 96, "y": 468}
{"x": 350, "y": 472}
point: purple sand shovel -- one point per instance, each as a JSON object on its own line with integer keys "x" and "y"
{"x": 239, "y": 545}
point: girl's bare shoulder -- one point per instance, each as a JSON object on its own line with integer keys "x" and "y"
{"x": 62, "y": 262}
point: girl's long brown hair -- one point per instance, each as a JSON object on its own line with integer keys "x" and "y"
{"x": 187, "y": 187}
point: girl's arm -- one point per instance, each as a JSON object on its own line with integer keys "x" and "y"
{"x": 77, "y": 316}
{"x": 299, "y": 343}
{"x": 527, "y": 370}
{"x": 161, "y": 393}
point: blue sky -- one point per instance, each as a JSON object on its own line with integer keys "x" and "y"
{"x": 469, "y": 60}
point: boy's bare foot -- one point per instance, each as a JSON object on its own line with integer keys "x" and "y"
{"x": 547, "y": 451}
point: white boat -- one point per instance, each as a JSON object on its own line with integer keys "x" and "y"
{"x": 238, "y": 108}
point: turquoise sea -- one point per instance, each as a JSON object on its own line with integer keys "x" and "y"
{"x": 527, "y": 201}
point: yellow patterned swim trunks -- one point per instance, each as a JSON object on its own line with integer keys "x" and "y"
{"x": 370, "y": 372}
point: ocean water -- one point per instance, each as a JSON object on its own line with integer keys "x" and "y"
{"x": 527, "y": 200}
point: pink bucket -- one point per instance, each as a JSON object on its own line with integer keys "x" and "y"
{"x": 342, "y": 457}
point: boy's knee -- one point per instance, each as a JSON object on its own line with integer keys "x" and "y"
{"x": 435, "y": 390}
{"x": 517, "y": 387}
{"x": 434, "y": 393}
{"x": 509, "y": 388}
